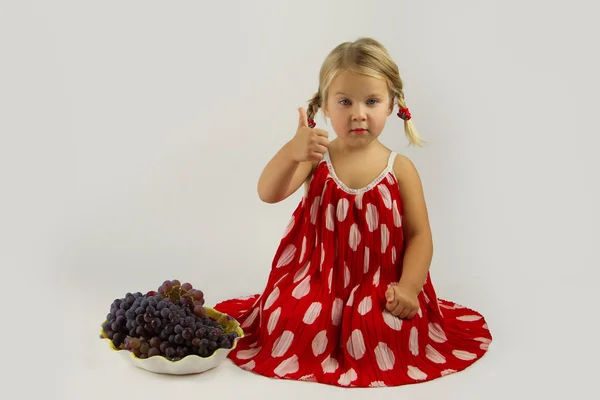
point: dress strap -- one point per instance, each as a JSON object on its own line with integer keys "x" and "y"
{"x": 391, "y": 160}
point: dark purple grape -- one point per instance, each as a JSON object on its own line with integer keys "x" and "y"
{"x": 170, "y": 352}
{"x": 181, "y": 351}
{"x": 213, "y": 334}
{"x": 163, "y": 346}
{"x": 163, "y": 335}
{"x": 165, "y": 312}
{"x": 153, "y": 352}
{"x": 176, "y": 282}
{"x": 148, "y": 317}
{"x": 186, "y": 286}
{"x": 156, "y": 323}
{"x": 201, "y": 332}
{"x": 169, "y": 329}
{"x": 143, "y": 356}
{"x": 120, "y": 313}
{"x": 212, "y": 345}
{"x": 161, "y": 306}
{"x": 132, "y": 331}
{"x": 130, "y": 314}
{"x": 196, "y": 342}
{"x": 225, "y": 344}
{"x": 150, "y": 309}
{"x": 187, "y": 333}
{"x": 145, "y": 303}
{"x": 178, "y": 328}
{"x": 106, "y": 326}
{"x": 179, "y": 339}
{"x": 140, "y": 331}
{"x": 121, "y": 320}
{"x": 155, "y": 342}
{"x": 118, "y": 339}
{"x": 115, "y": 326}
{"x": 140, "y": 319}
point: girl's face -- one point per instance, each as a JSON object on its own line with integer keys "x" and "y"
{"x": 358, "y": 106}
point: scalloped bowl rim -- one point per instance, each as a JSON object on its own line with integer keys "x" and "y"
{"x": 234, "y": 325}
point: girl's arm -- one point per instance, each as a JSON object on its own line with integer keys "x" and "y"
{"x": 283, "y": 176}
{"x": 417, "y": 232}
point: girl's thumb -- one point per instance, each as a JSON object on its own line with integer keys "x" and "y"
{"x": 389, "y": 296}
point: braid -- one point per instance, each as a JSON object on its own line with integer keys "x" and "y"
{"x": 313, "y": 106}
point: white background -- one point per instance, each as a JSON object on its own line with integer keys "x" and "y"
{"x": 134, "y": 132}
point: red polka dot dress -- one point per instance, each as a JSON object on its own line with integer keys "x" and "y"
{"x": 322, "y": 315}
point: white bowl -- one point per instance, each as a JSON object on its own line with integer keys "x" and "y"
{"x": 191, "y": 364}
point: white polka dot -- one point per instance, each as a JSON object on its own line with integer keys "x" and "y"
{"x": 289, "y": 227}
{"x": 386, "y": 196}
{"x": 355, "y": 237}
{"x": 303, "y": 252}
{"x": 372, "y": 217}
{"x": 336, "y": 311}
{"x": 469, "y": 318}
{"x": 302, "y": 289}
{"x": 346, "y": 275}
{"x": 273, "y": 319}
{"x": 433, "y": 355}
{"x": 463, "y": 355}
{"x": 347, "y": 378}
{"x": 366, "y": 260}
{"x": 350, "y": 301}
{"x": 394, "y": 255}
{"x": 302, "y": 272}
{"x": 436, "y": 333}
{"x": 312, "y": 313}
{"x": 365, "y": 305}
{"x": 271, "y": 299}
{"x": 385, "y": 238}
{"x": 358, "y": 201}
{"x": 420, "y": 312}
{"x": 249, "y": 366}
{"x": 329, "y": 365}
{"x": 288, "y": 366}
{"x": 342, "y": 209}
{"x": 314, "y": 209}
{"x": 322, "y": 255}
{"x": 250, "y": 318}
{"x": 392, "y": 321}
{"x": 330, "y": 279}
{"x": 329, "y": 224}
{"x": 397, "y": 216}
{"x": 376, "y": 277}
{"x": 385, "y": 357}
{"x": 356, "y": 345}
{"x": 448, "y": 372}
{"x": 416, "y": 374}
{"x": 484, "y": 346}
{"x": 308, "y": 378}
{"x": 286, "y": 256}
{"x": 482, "y": 339}
{"x": 485, "y": 326}
{"x": 377, "y": 384}
{"x": 248, "y": 354}
{"x": 282, "y": 344}
{"x": 319, "y": 343}
{"x": 390, "y": 179}
{"x": 413, "y": 342}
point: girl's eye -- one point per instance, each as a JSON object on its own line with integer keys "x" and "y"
{"x": 342, "y": 102}
{"x": 373, "y": 100}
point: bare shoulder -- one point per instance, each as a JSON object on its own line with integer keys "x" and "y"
{"x": 416, "y": 219}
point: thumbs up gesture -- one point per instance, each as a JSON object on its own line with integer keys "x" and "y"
{"x": 308, "y": 144}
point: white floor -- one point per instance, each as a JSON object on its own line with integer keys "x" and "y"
{"x": 536, "y": 359}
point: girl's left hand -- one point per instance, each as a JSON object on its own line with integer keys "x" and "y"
{"x": 402, "y": 301}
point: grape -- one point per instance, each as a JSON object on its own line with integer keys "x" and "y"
{"x": 170, "y": 322}
{"x": 155, "y": 342}
{"x": 170, "y": 352}
{"x": 145, "y": 347}
{"x": 199, "y": 311}
{"x": 153, "y": 352}
{"x": 186, "y": 286}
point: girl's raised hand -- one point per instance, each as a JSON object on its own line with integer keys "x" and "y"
{"x": 308, "y": 144}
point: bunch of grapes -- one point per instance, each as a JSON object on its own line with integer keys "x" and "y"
{"x": 171, "y": 323}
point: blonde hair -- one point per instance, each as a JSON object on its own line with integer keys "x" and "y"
{"x": 368, "y": 57}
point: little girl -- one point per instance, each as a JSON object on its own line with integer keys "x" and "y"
{"x": 349, "y": 300}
